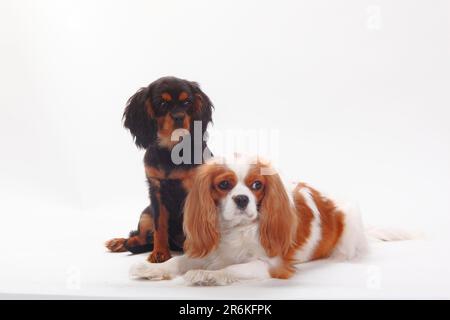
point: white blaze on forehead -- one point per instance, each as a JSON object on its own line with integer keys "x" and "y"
{"x": 229, "y": 210}
{"x": 241, "y": 189}
{"x": 240, "y": 168}
{"x": 241, "y": 164}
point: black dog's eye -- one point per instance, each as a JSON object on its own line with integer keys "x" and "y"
{"x": 186, "y": 103}
{"x": 224, "y": 185}
{"x": 256, "y": 185}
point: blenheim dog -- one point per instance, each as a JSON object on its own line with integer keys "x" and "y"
{"x": 153, "y": 115}
{"x": 243, "y": 222}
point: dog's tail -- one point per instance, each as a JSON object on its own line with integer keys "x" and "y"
{"x": 391, "y": 234}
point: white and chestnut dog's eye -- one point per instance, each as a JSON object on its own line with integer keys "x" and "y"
{"x": 256, "y": 185}
{"x": 224, "y": 185}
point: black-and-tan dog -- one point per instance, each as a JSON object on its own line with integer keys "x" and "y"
{"x": 152, "y": 115}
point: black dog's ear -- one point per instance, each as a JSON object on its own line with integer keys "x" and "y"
{"x": 138, "y": 117}
{"x": 202, "y": 104}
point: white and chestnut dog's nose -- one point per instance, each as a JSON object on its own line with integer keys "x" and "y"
{"x": 241, "y": 201}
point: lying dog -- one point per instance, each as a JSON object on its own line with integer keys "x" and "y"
{"x": 152, "y": 115}
{"x": 242, "y": 222}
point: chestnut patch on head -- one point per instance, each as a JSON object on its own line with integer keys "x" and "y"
{"x": 166, "y": 96}
{"x": 255, "y": 181}
{"x": 183, "y": 96}
{"x": 223, "y": 182}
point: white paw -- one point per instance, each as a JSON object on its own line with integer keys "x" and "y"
{"x": 207, "y": 278}
{"x": 151, "y": 271}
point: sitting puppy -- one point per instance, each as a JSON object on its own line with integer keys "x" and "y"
{"x": 242, "y": 222}
{"x": 153, "y": 115}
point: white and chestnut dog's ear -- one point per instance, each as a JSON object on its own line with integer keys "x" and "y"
{"x": 200, "y": 222}
{"x": 139, "y": 117}
{"x": 278, "y": 219}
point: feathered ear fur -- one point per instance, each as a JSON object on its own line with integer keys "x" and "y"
{"x": 202, "y": 105}
{"x": 200, "y": 220}
{"x": 277, "y": 217}
{"x": 138, "y": 117}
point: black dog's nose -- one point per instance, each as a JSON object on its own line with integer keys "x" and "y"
{"x": 241, "y": 201}
{"x": 178, "y": 117}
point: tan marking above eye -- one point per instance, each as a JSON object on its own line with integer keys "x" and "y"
{"x": 228, "y": 176}
{"x": 255, "y": 175}
{"x": 183, "y": 96}
{"x": 166, "y": 96}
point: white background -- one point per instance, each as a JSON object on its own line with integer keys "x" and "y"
{"x": 358, "y": 91}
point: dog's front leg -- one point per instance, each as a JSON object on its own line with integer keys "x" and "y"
{"x": 253, "y": 270}
{"x": 166, "y": 270}
{"x": 161, "y": 250}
